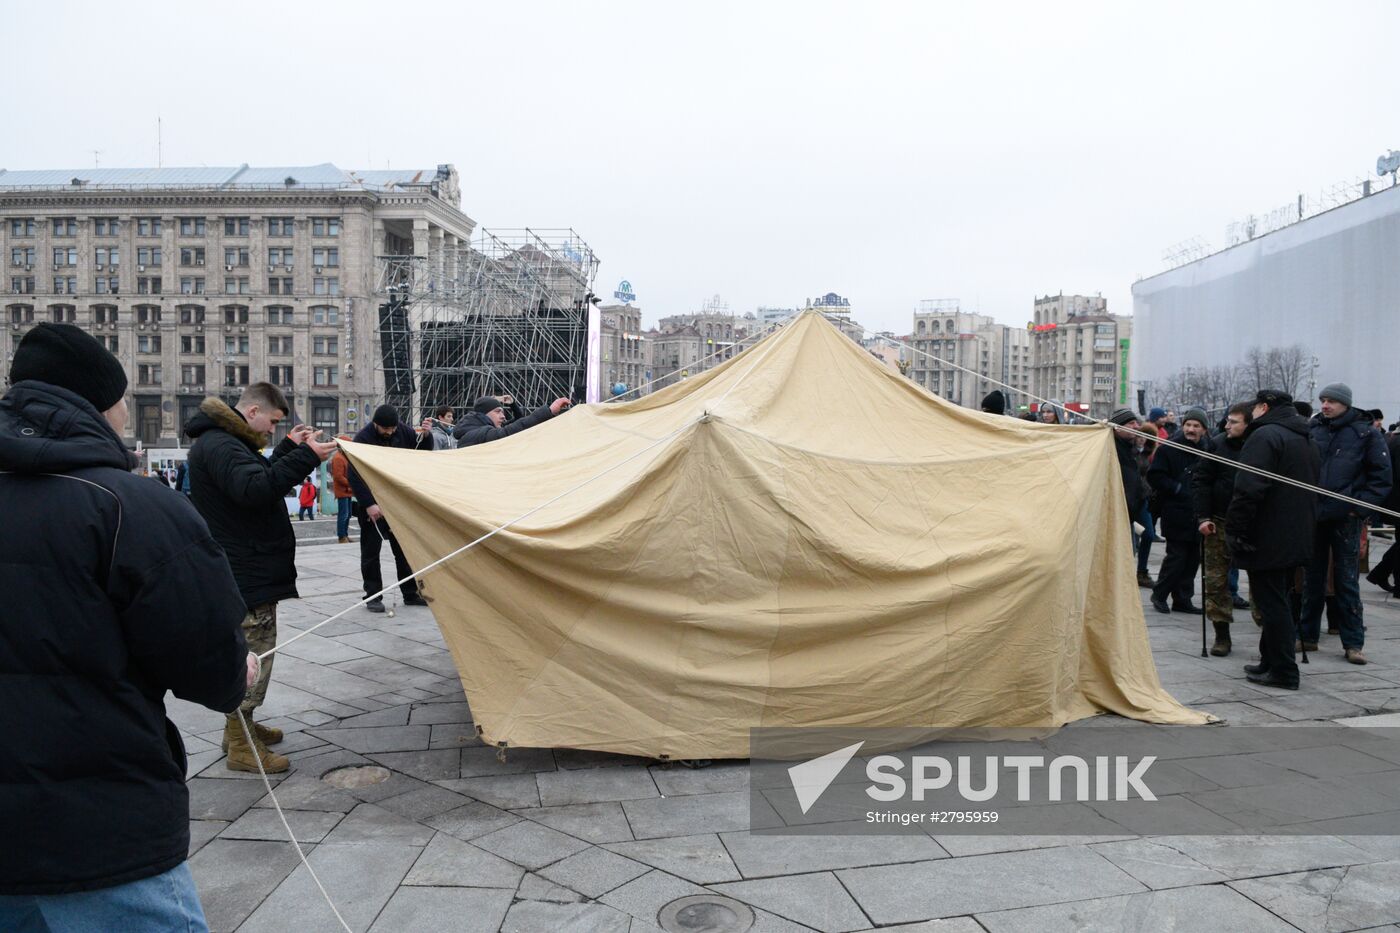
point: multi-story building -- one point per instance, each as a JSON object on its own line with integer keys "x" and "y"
{"x": 673, "y": 354}
{"x": 204, "y": 280}
{"x": 686, "y": 344}
{"x": 622, "y": 357}
{"x": 985, "y": 355}
{"x": 1080, "y": 353}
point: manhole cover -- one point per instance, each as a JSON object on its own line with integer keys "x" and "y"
{"x": 356, "y": 776}
{"x": 705, "y": 913}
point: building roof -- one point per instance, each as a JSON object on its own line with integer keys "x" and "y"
{"x": 323, "y": 176}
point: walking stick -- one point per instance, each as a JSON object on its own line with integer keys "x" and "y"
{"x": 1203, "y": 596}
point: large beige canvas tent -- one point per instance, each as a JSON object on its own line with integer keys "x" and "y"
{"x": 798, "y": 537}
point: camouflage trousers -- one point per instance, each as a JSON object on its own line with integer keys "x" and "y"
{"x": 1215, "y": 576}
{"x": 260, "y": 631}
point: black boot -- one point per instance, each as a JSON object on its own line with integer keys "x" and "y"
{"x": 1269, "y": 679}
{"x": 1256, "y": 668}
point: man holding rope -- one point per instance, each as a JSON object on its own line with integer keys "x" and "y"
{"x": 116, "y": 593}
{"x": 384, "y": 430}
{"x": 1269, "y": 527}
{"x": 240, "y": 494}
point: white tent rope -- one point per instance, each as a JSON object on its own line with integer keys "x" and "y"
{"x": 1204, "y": 454}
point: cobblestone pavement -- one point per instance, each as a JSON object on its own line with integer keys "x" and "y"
{"x": 458, "y": 840}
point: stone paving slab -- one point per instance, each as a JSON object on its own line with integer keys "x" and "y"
{"x": 462, "y": 836}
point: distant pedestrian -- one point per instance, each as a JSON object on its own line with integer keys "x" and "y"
{"x": 1157, "y": 418}
{"x": 1355, "y": 463}
{"x": 1269, "y": 527}
{"x": 1213, "y": 484}
{"x": 1170, "y": 477}
{"x": 344, "y": 495}
{"x": 307, "y": 500}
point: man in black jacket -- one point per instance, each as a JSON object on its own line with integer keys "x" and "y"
{"x": 1389, "y": 565}
{"x": 1211, "y": 487}
{"x": 1126, "y": 428}
{"x": 487, "y": 419}
{"x": 1170, "y": 476}
{"x": 384, "y": 430}
{"x": 1269, "y": 527}
{"x": 241, "y": 495}
{"x": 114, "y": 594}
{"x": 1355, "y": 463}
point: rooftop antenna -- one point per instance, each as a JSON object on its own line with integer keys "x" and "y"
{"x": 95, "y": 154}
{"x": 159, "y": 163}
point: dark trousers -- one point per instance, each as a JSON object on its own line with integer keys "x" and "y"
{"x": 1389, "y": 565}
{"x": 1177, "y": 578}
{"x": 1268, "y": 590}
{"x": 370, "y": 541}
{"x": 1145, "y": 519}
{"x": 1342, "y": 541}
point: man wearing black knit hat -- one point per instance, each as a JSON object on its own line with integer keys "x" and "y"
{"x": 487, "y": 420}
{"x": 115, "y": 593}
{"x": 384, "y": 430}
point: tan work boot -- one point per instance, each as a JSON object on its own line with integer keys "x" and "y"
{"x": 344, "y": 541}
{"x": 1222, "y": 640}
{"x": 1355, "y": 656}
{"x": 243, "y": 757}
{"x": 268, "y": 735}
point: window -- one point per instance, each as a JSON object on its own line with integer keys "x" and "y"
{"x": 21, "y": 314}
{"x": 22, "y": 285}
{"x": 65, "y": 226}
{"x": 192, "y": 374}
{"x": 191, "y": 226}
{"x": 148, "y": 256}
{"x": 326, "y": 286}
{"x": 279, "y": 256}
{"x": 192, "y": 285}
{"x": 106, "y": 284}
{"x": 327, "y": 376}
{"x": 148, "y": 343}
{"x": 280, "y": 375}
{"x": 107, "y": 256}
{"x": 104, "y": 314}
{"x": 22, "y": 256}
{"x": 65, "y": 285}
{"x": 279, "y": 314}
{"x": 235, "y": 376}
{"x": 191, "y": 255}
{"x": 63, "y": 256}
{"x": 279, "y": 285}
{"x": 325, "y": 414}
{"x": 148, "y": 374}
{"x": 329, "y": 256}
{"x": 235, "y": 226}
{"x": 280, "y": 226}
{"x": 236, "y": 256}
{"x": 236, "y": 286}
{"x": 325, "y": 346}
{"x": 148, "y": 226}
{"x": 148, "y": 314}
{"x": 192, "y": 343}
{"x": 236, "y": 343}
{"x": 191, "y": 314}
{"x": 63, "y": 314}
{"x": 106, "y": 226}
{"x": 279, "y": 346}
{"x": 110, "y": 342}
{"x": 22, "y": 226}
{"x": 236, "y": 314}
{"x": 148, "y": 285}
{"x": 325, "y": 226}
{"x": 325, "y": 314}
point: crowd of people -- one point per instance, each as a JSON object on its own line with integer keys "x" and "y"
{"x": 1302, "y": 550}
{"x": 122, "y": 591}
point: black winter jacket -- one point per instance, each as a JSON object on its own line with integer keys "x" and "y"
{"x": 403, "y": 436}
{"x": 476, "y": 428}
{"x": 1170, "y": 476}
{"x": 1270, "y": 525}
{"x": 1392, "y": 501}
{"x": 114, "y": 594}
{"x": 240, "y": 494}
{"x": 1133, "y": 490}
{"x": 1213, "y": 482}
{"x": 1355, "y": 463}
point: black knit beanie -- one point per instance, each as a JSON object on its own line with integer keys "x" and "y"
{"x": 994, "y": 403}
{"x": 486, "y": 404}
{"x": 69, "y": 357}
{"x": 386, "y": 416}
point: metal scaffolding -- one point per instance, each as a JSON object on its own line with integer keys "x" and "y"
{"x": 507, "y": 314}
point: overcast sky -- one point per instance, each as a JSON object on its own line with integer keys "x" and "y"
{"x": 765, "y": 152}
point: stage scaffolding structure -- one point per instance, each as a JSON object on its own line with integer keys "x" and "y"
{"x": 507, "y": 314}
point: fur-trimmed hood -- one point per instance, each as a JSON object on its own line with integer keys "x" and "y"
{"x": 215, "y": 414}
